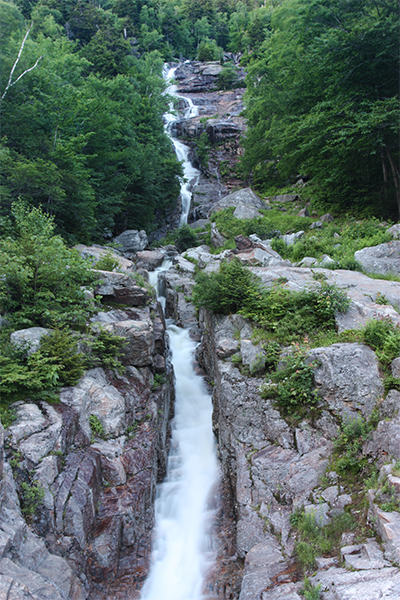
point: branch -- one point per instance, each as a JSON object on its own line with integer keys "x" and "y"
{"x": 10, "y": 81}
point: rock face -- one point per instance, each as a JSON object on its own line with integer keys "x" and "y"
{"x": 132, "y": 240}
{"x": 96, "y": 457}
{"x": 382, "y": 259}
{"x": 120, "y": 288}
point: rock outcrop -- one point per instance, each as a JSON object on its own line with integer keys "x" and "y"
{"x": 85, "y": 471}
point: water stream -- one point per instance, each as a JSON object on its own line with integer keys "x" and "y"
{"x": 182, "y": 550}
{"x": 190, "y": 173}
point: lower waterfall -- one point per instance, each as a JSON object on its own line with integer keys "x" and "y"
{"x": 181, "y": 547}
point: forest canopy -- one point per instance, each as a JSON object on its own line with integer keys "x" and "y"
{"x": 82, "y": 134}
{"x": 322, "y": 102}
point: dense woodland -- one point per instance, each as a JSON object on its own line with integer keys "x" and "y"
{"x": 81, "y": 114}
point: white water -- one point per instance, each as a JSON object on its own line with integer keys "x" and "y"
{"x": 182, "y": 551}
{"x": 190, "y": 173}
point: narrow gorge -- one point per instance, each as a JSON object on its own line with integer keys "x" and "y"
{"x": 222, "y": 462}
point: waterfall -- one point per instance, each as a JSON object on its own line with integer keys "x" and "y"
{"x": 182, "y": 550}
{"x": 190, "y": 173}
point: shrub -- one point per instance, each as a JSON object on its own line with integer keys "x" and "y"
{"x": 97, "y": 427}
{"x": 41, "y": 278}
{"x": 228, "y": 290}
{"x": 185, "y": 238}
{"x": 108, "y": 262}
{"x": 32, "y": 496}
{"x": 293, "y": 386}
{"x": 7, "y": 416}
{"x": 384, "y": 337}
{"x": 228, "y": 78}
{"x": 105, "y": 349}
{"x": 348, "y": 446}
{"x": 57, "y": 362}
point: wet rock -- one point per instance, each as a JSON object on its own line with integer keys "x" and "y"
{"x": 132, "y": 240}
{"x": 383, "y": 259}
{"x": 120, "y": 288}
{"x": 149, "y": 259}
{"x": 29, "y": 338}
{"x": 347, "y": 378}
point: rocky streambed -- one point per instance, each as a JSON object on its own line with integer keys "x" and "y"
{"x": 98, "y": 454}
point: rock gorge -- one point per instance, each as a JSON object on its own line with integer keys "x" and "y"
{"x": 90, "y": 538}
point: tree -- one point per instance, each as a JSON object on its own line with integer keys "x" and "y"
{"x": 322, "y": 99}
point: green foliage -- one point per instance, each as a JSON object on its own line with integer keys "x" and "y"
{"x": 387, "y": 498}
{"x": 292, "y": 385}
{"x": 57, "y": 362}
{"x": 185, "y": 238}
{"x": 384, "y": 337}
{"x": 348, "y": 446}
{"x": 322, "y": 99}
{"x": 159, "y": 380}
{"x": 284, "y": 315}
{"x": 228, "y": 78}
{"x": 108, "y": 262}
{"x": 97, "y": 427}
{"x": 105, "y": 349}
{"x": 202, "y": 149}
{"x": 309, "y": 591}
{"x": 228, "y": 290}
{"x": 7, "y": 416}
{"x": 32, "y": 496}
{"x": 42, "y": 279}
{"x": 316, "y": 541}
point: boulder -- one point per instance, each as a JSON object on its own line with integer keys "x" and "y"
{"x": 244, "y": 197}
{"x": 291, "y": 238}
{"x": 285, "y": 198}
{"x": 132, "y": 240}
{"x": 303, "y": 213}
{"x": 263, "y": 258}
{"x": 29, "y": 338}
{"x": 385, "y": 440}
{"x": 327, "y": 218}
{"x": 139, "y": 349}
{"x": 95, "y": 253}
{"x": 149, "y": 259}
{"x": 382, "y": 259}
{"x": 120, "y": 288}
{"x": 316, "y": 225}
{"x": 217, "y": 239}
{"x": 347, "y": 378}
{"x": 246, "y": 212}
{"x": 394, "y": 231}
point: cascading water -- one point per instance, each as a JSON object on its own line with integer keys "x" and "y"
{"x": 190, "y": 173}
{"x": 182, "y": 550}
